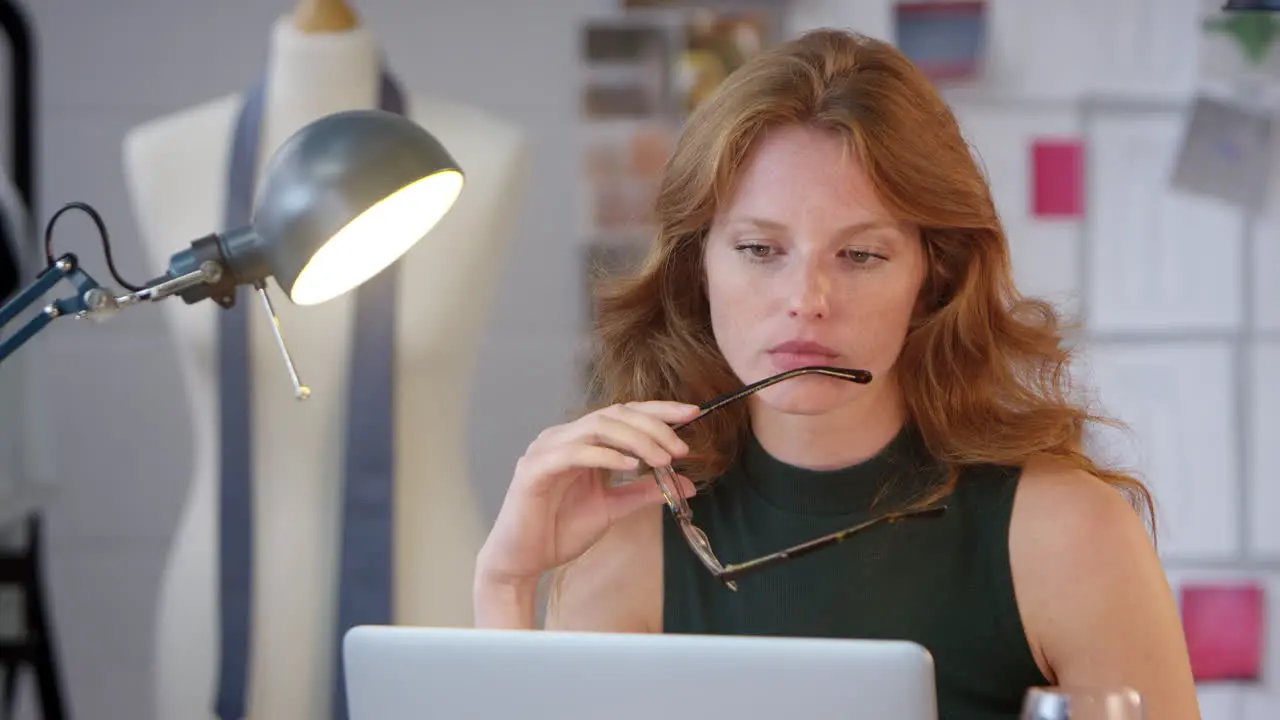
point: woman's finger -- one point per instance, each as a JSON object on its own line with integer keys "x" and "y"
{"x": 664, "y": 410}
{"x": 641, "y": 493}
{"x": 624, "y": 500}
{"x": 654, "y": 426}
{"x": 556, "y": 461}
{"x": 687, "y": 488}
{"x": 611, "y": 431}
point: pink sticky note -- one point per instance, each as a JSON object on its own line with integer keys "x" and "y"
{"x": 1057, "y": 178}
{"x": 1223, "y": 626}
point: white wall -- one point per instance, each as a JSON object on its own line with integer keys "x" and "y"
{"x": 1094, "y": 69}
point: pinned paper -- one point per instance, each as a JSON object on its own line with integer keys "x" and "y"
{"x": 1057, "y": 171}
{"x": 1226, "y": 154}
{"x": 946, "y": 40}
{"x": 1224, "y": 630}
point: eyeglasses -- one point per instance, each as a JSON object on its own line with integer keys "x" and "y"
{"x": 697, "y": 539}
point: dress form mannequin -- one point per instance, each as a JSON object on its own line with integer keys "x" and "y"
{"x": 175, "y": 166}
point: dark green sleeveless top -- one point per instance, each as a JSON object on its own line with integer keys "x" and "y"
{"x": 941, "y": 581}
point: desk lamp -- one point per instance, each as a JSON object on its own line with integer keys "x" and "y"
{"x": 341, "y": 199}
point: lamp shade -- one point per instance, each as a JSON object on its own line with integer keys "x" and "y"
{"x": 1263, "y": 5}
{"x": 348, "y": 195}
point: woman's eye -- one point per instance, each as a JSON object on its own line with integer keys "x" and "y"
{"x": 755, "y": 249}
{"x": 862, "y": 257}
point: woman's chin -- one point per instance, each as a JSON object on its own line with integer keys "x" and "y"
{"x": 808, "y": 395}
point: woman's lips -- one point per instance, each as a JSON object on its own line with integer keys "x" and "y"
{"x": 795, "y": 354}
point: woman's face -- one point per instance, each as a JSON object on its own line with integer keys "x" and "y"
{"x": 804, "y": 266}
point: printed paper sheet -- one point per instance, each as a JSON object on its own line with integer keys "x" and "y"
{"x": 1157, "y": 259}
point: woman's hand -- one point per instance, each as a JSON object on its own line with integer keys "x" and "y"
{"x": 559, "y": 502}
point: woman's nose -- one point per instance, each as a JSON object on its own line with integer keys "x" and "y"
{"x": 809, "y": 292}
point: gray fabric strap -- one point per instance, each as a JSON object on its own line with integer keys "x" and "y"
{"x": 365, "y": 570}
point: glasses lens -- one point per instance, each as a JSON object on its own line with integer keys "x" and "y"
{"x": 666, "y": 479}
{"x": 701, "y": 546}
{"x": 693, "y": 535}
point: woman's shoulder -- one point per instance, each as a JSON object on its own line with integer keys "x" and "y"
{"x": 1047, "y": 491}
{"x": 1083, "y": 566}
{"x": 1072, "y": 533}
{"x": 1071, "y": 510}
{"x": 616, "y": 586}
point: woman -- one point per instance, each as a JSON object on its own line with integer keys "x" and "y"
{"x": 822, "y": 209}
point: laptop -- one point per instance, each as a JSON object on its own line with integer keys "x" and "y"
{"x": 420, "y": 673}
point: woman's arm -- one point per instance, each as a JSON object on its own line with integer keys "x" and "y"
{"x": 503, "y": 605}
{"x": 1094, "y": 600}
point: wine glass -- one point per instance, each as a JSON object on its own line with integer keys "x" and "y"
{"x": 1082, "y": 703}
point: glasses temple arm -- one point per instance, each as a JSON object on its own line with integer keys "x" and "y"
{"x": 734, "y": 571}
{"x": 861, "y": 377}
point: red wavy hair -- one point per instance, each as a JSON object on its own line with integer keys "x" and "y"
{"x": 984, "y": 370}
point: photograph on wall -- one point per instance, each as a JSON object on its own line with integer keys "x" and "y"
{"x": 626, "y": 70}
{"x": 626, "y": 123}
{"x": 1226, "y": 154}
{"x": 622, "y": 168}
{"x": 715, "y": 43}
{"x": 707, "y": 40}
{"x": 945, "y": 39}
{"x": 644, "y": 69}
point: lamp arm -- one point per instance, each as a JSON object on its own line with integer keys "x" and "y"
{"x": 91, "y": 300}
{"x": 65, "y": 267}
{"x": 210, "y": 269}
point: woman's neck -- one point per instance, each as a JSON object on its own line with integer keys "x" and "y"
{"x": 841, "y": 438}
